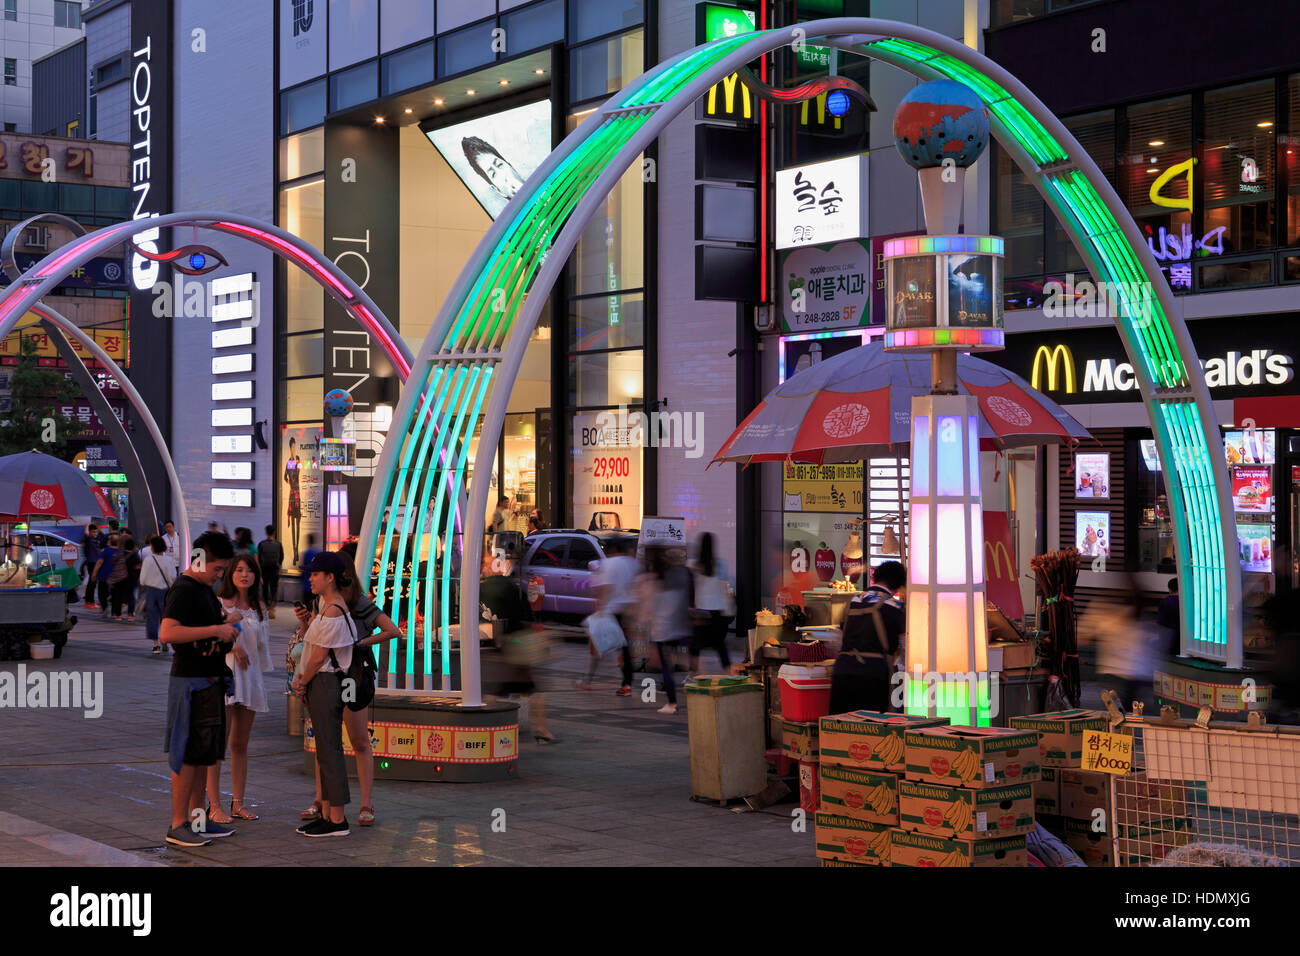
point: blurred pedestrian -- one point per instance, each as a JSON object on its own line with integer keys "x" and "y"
{"x": 500, "y": 517}
{"x": 308, "y": 556}
{"x": 615, "y": 587}
{"x": 241, "y": 592}
{"x": 873, "y": 632}
{"x": 327, "y": 641}
{"x": 715, "y": 606}
{"x": 523, "y": 640}
{"x": 132, "y": 582}
{"x": 244, "y": 542}
{"x": 665, "y": 595}
{"x": 1127, "y": 646}
{"x": 92, "y": 547}
{"x": 1168, "y": 619}
{"x": 270, "y": 558}
{"x": 156, "y": 575}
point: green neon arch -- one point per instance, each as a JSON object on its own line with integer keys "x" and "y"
{"x": 504, "y": 285}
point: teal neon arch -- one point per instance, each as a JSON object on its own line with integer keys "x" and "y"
{"x": 480, "y": 332}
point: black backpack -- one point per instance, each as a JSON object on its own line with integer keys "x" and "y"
{"x": 362, "y": 671}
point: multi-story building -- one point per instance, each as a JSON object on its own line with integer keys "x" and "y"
{"x": 29, "y": 30}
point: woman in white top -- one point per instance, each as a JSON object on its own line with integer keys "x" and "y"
{"x": 327, "y": 654}
{"x": 714, "y": 605}
{"x": 156, "y": 575}
{"x": 241, "y": 592}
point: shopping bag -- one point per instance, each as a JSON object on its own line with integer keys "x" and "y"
{"x": 604, "y": 632}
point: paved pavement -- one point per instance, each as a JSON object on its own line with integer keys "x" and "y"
{"x": 614, "y": 792}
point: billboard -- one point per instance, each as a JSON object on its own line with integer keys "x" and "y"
{"x": 303, "y": 497}
{"x": 494, "y": 154}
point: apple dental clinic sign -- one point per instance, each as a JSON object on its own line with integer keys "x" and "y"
{"x": 822, "y": 203}
{"x": 1249, "y": 355}
{"x": 825, "y": 287}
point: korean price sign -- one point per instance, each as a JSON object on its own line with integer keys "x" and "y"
{"x": 1107, "y": 753}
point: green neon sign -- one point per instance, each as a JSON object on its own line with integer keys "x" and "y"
{"x": 722, "y": 21}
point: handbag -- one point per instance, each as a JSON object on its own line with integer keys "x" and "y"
{"x": 362, "y": 671}
{"x": 604, "y": 632}
{"x": 524, "y": 647}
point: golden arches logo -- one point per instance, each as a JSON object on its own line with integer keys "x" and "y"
{"x": 729, "y": 89}
{"x": 992, "y": 549}
{"x": 1053, "y": 359}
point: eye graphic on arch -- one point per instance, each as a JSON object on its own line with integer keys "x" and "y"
{"x": 193, "y": 260}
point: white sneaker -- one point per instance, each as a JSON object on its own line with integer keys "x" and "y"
{"x": 669, "y": 709}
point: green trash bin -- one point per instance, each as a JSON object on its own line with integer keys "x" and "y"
{"x": 725, "y": 721}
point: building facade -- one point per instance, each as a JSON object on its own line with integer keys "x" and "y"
{"x": 29, "y": 30}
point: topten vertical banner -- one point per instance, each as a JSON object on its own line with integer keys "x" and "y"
{"x": 150, "y": 91}
{"x": 361, "y": 217}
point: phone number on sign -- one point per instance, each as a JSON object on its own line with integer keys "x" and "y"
{"x": 817, "y": 318}
{"x": 612, "y": 468}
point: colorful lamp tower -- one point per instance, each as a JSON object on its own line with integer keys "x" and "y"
{"x": 945, "y": 296}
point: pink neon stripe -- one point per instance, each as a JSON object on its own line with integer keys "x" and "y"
{"x": 293, "y": 253}
{"x": 368, "y": 320}
{"x": 72, "y": 249}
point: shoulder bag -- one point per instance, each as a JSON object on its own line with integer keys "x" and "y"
{"x": 362, "y": 671}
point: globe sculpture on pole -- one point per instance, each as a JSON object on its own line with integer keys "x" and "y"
{"x": 945, "y": 296}
{"x": 338, "y": 402}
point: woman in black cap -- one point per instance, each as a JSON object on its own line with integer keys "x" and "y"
{"x": 327, "y": 654}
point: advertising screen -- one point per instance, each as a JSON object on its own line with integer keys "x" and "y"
{"x": 970, "y": 291}
{"x": 1092, "y": 533}
{"x": 912, "y": 281}
{"x": 1092, "y": 475}
{"x": 493, "y": 155}
{"x": 1256, "y": 543}
{"x": 1252, "y": 488}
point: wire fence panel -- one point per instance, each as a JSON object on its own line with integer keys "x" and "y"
{"x": 1211, "y": 794}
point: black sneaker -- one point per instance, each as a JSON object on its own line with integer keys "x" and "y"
{"x": 184, "y": 836}
{"x": 313, "y": 825}
{"x": 323, "y": 828}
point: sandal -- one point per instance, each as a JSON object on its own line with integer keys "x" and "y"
{"x": 366, "y": 817}
{"x": 313, "y": 812}
{"x": 215, "y": 819}
{"x": 241, "y": 813}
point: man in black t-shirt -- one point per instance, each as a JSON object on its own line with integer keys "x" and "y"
{"x": 201, "y": 635}
{"x": 874, "y": 627}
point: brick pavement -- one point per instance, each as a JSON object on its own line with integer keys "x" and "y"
{"x": 614, "y": 792}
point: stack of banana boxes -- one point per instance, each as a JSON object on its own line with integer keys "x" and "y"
{"x": 861, "y": 760}
{"x": 966, "y": 797}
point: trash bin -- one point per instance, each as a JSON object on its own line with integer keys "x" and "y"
{"x": 725, "y": 722}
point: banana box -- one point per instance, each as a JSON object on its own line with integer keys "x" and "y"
{"x": 845, "y": 863}
{"x": 1047, "y": 793}
{"x": 1060, "y": 740}
{"x": 799, "y": 739}
{"x": 1082, "y": 792}
{"x": 869, "y": 740}
{"x": 921, "y": 849}
{"x": 975, "y": 757}
{"x": 841, "y": 837}
{"x": 1095, "y": 849}
{"x": 964, "y": 814}
{"x": 862, "y": 794}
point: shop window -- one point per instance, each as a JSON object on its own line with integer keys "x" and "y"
{"x": 595, "y": 18}
{"x": 606, "y": 66}
{"x": 610, "y": 254}
{"x": 1288, "y": 154}
{"x": 534, "y": 26}
{"x": 351, "y": 87}
{"x": 605, "y": 379}
{"x": 1013, "y": 11}
{"x": 1096, "y": 134}
{"x": 302, "y": 154}
{"x": 466, "y": 49}
{"x": 410, "y": 68}
{"x": 607, "y": 322}
{"x": 1019, "y": 216}
{"x": 302, "y": 213}
{"x": 1238, "y": 166}
{"x": 402, "y": 22}
{"x": 1234, "y": 274}
{"x": 302, "y": 107}
{"x": 300, "y": 400}
{"x": 304, "y": 355}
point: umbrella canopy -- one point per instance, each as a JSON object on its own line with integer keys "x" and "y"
{"x": 34, "y": 485}
{"x": 859, "y": 405}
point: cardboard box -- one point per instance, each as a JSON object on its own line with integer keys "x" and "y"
{"x": 964, "y": 814}
{"x": 920, "y": 849}
{"x": 809, "y": 788}
{"x": 1082, "y": 792}
{"x": 1047, "y": 793}
{"x": 862, "y": 794}
{"x": 840, "y": 837}
{"x": 1095, "y": 849}
{"x": 1060, "y": 742}
{"x": 799, "y": 739}
{"x": 974, "y": 757}
{"x": 846, "y": 863}
{"x": 1012, "y": 655}
{"x": 868, "y": 740}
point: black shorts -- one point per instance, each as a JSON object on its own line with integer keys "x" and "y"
{"x": 206, "y": 743}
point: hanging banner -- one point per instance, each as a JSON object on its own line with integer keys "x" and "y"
{"x": 823, "y": 488}
{"x": 1000, "y": 577}
{"x": 302, "y": 492}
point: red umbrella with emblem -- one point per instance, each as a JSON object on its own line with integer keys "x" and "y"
{"x": 35, "y": 485}
{"x": 859, "y": 405}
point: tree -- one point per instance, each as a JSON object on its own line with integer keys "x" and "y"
{"x": 34, "y": 422}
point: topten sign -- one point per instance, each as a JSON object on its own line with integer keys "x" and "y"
{"x": 1236, "y": 369}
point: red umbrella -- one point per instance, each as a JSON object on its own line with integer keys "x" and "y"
{"x": 36, "y": 485}
{"x": 859, "y": 405}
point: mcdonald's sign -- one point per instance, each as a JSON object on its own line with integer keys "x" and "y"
{"x": 730, "y": 99}
{"x": 1001, "y": 582}
{"x": 993, "y": 550}
{"x": 730, "y": 108}
{"x": 1053, "y": 359}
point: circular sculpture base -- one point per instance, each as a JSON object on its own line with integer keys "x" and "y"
{"x": 435, "y": 738}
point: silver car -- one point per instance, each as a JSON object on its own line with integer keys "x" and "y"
{"x": 565, "y": 560}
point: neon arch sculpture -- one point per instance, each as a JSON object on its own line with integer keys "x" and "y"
{"x": 482, "y": 328}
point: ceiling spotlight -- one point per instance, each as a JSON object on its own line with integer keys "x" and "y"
{"x": 1156, "y": 142}
{"x": 539, "y": 71}
{"x": 1154, "y": 169}
{"x": 503, "y": 82}
{"x": 408, "y": 110}
{"x": 379, "y": 120}
{"x": 437, "y": 102}
{"x": 1265, "y": 125}
{"x": 469, "y": 92}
